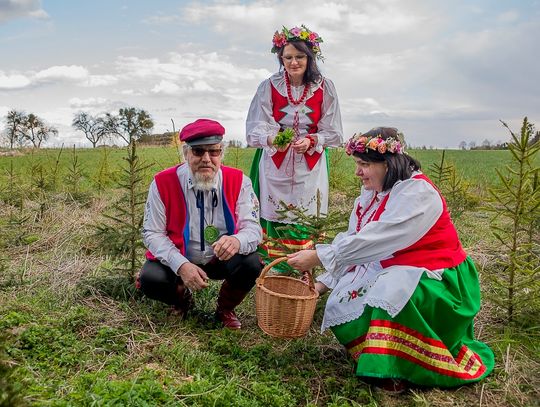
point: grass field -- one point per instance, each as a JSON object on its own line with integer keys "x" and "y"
{"x": 69, "y": 337}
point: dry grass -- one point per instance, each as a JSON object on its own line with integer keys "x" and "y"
{"x": 57, "y": 264}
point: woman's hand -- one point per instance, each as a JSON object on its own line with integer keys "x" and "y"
{"x": 300, "y": 146}
{"x": 270, "y": 142}
{"x": 321, "y": 288}
{"x": 304, "y": 260}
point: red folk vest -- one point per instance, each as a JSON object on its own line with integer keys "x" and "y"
{"x": 314, "y": 103}
{"x": 177, "y": 216}
{"x": 438, "y": 248}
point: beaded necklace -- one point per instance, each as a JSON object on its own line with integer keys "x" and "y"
{"x": 361, "y": 215}
{"x": 292, "y": 101}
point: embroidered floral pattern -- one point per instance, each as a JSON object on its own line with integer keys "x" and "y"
{"x": 354, "y": 294}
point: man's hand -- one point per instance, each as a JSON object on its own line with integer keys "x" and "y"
{"x": 193, "y": 276}
{"x": 304, "y": 260}
{"x": 226, "y": 247}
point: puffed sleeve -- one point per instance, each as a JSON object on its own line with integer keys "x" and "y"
{"x": 412, "y": 209}
{"x": 260, "y": 123}
{"x": 330, "y": 128}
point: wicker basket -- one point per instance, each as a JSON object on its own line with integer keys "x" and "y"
{"x": 285, "y": 305}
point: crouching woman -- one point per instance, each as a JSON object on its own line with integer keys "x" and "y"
{"x": 404, "y": 292}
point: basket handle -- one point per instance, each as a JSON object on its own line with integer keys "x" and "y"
{"x": 281, "y": 259}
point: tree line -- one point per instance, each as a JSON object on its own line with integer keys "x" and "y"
{"x": 129, "y": 124}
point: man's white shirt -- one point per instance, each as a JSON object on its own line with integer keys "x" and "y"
{"x": 154, "y": 225}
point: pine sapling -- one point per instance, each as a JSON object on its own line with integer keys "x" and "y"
{"x": 319, "y": 227}
{"x": 454, "y": 188}
{"x": 515, "y": 204}
{"x": 103, "y": 177}
{"x": 121, "y": 235}
{"x": 74, "y": 176}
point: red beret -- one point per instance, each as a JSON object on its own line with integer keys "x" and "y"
{"x": 202, "y": 131}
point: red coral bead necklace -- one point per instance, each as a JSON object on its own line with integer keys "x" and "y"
{"x": 293, "y": 101}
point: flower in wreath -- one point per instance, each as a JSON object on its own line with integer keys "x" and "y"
{"x": 279, "y": 40}
{"x": 361, "y": 144}
{"x": 295, "y": 31}
{"x": 302, "y": 33}
{"x": 374, "y": 143}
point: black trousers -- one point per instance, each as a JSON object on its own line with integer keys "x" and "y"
{"x": 160, "y": 283}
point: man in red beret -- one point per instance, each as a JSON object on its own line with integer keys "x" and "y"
{"x": 201, "y": 221}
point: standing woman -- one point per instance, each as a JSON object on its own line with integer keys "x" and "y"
{"x": 293, "y": 174}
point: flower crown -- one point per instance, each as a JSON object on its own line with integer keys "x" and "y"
{"x": 301, "y": 33}
{"x": 360, "y": 144}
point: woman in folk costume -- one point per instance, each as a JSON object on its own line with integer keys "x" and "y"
{"x": 404, "y": 292}
{"x": 292, "y": 173}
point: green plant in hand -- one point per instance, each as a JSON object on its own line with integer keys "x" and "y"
{"x": 284, "y": 137}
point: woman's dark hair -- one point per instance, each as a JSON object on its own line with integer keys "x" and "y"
{"x": 400, "y": 166}
{"x": 312, "y": 74}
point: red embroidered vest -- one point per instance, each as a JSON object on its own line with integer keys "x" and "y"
{"x": 438, "y": 248}
{"x": 314, "y": 103}
{"x": 174, "y": 200}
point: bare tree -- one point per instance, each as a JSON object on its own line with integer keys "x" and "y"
{"x": 130, "y": 124}
{"x": 36, "y": 131}
{"x": 93, "y": 127}
{"x": 463, "y": 145}
{"x": 14, "y": 127}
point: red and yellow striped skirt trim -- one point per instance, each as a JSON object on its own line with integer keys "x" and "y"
{"x": 390, "y": 338}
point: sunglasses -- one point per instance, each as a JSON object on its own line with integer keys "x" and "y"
{"x": 199, "y": 151}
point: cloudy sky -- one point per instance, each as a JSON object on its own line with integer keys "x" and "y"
{"x": 442, "y": 71}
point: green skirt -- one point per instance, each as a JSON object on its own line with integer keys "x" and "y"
{"x": 431, "y": 341}
{"x": 279, "y": 239}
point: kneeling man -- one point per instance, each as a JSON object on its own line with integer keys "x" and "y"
{"x": 201, "y": 221}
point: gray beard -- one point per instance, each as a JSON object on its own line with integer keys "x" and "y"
{"x": 204, "y": 183}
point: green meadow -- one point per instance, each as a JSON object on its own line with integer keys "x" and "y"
{"x": 73, "y": 335}
{"x": 477, "y": 166}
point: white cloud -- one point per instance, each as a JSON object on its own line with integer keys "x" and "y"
{"x": 434, "y": 68}
{"x": 12, "y": 9}
{"x": 509, "y": 16}
{"x": 15, "y": 81}
{"x": 3, "y": 112}
{"x": 130, "y": 92}
{"x": 336, "y": 19}
{"x": 160, "y": 19}
{"x": 166, "y": 87}
{"x": 187, "y": 73}
{"x": 77, "y": 103}
{"x": 55, "y": 74}
{"x": 100, "y": 80}
{"x": 59, "y": 117}
{"x": 62, "y": 72}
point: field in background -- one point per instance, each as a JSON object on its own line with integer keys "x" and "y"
{"x": 478, "y": 166}
{"x": 68, "y": 339}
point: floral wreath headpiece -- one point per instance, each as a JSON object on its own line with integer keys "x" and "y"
{"x": 361, "y": 144}
{"x": 301, "y": 33}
